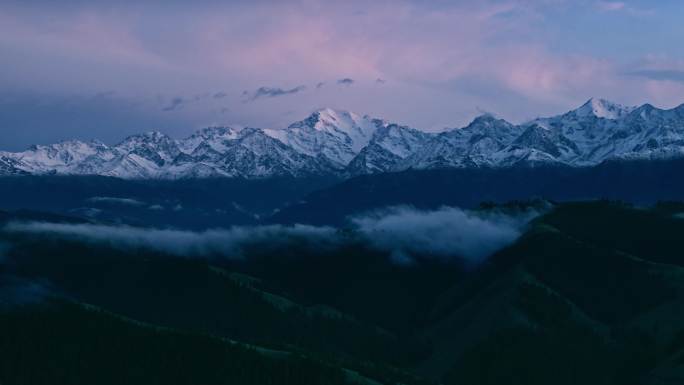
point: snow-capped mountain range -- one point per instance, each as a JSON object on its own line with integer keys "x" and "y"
{"x": 332, "y": 142}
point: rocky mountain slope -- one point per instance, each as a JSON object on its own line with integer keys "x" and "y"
{"x": 332, "y": 142}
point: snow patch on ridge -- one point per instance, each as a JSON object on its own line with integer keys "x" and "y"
{"x": 342, "y": 143}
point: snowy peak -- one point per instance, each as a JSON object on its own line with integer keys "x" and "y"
{"x": 325, "y": 119}
{"x": 151, "y": 137}
{"x": 59, "y": 156}
{"x": 486, "y": 119}
{"x": 152, "y": 140}
{"x": 475, "y": 145}
{"x": 11, "y": 166}
{"x": 68, "y": 150}
{"x": 214, "y": 137}
{"x": 152, "y": 146}
{"x": 389, "y": 146}
{"x": 489, "y": 126}
{"x": 216, "y": 132}
{"x": 601, "y": 108}
{"x": 335, "y": 135}
{"x": 342, "y": 143}
{"x": 542, "y": 139}
{"x": 400, "y": 140}
{"x": 342, "y": 124}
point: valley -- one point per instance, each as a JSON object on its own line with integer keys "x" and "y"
{"x": 602, "y": 279}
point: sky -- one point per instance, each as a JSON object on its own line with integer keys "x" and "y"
{"x": 107, "y": 69}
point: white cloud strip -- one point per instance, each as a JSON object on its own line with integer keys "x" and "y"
{"x": 402, "y": 232}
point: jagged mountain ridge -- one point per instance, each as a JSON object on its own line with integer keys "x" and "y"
{"x": 333, "y": 142}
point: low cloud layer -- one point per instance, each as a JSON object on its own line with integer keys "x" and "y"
{"x": 116, "y": 200}
{"x": 229, "y": 243}
{"x": 402, "y": 232}
{"x": 443, "y": 233}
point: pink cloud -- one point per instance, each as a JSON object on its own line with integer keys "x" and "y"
{"x": 611, "y": 5}
{"x": 421, "y": 49}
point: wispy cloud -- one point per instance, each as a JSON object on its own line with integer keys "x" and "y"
{"x": 403, "y": 233}
{"x": 443, "y": 233}
{"x": 176, "y": 104}
{"x": 116, "y": 200}
{"x": 527, "y": 51}
{"x": 272, "y": 92}
{"x": 227, "y": 243}
{"x": 611, "y": 6}
{"x": 345, "y": 81}
{"x": 623, "y": 7}
{"x": 660, "y": 74}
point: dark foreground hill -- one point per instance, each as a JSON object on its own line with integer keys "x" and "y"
{"x": 592, "y": 293}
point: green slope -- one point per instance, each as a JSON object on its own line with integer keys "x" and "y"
{"x": 68, "y": 343}
{"x": 592, "y": 293}
{"x": 567, "y": 304}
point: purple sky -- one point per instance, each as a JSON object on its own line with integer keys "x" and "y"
{"x": 98, "y": 69}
